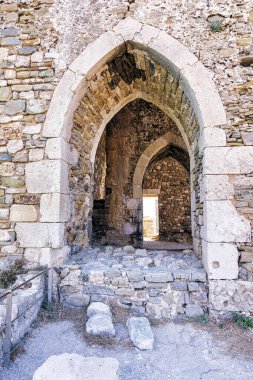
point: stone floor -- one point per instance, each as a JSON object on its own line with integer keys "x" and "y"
{"x": 165, "y": 245}
{"x": 160, "y": 284}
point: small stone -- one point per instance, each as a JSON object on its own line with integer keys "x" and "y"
{"x": 193, "y": 311}
{"x": 27, "y": 50}
{"x": 37, "y": 56}
{"x": 14, "y": 106}
{"x": 144, "y": 261}
{"x": 35, "y": 106}
{"x": 246, "y": 257}
{"x": 128, "y": 249}
{"x": 5, "y": 157}
{"x": 36, "y": 154}
{"x": 78, "y": 300}
{"x": 10, "y": 41}
{"x": 140, "y": 333}
{"x": 7, "y": 169}
{"x": 12, "y": 182}
{"x": 135, "y": 275}
{"x": 199, "y": 276}
{"x": 98, "y": 308}
{"x": 141, "y": 252}
{"x": 32, "y": 129}
{"x": 100, "y": 325}
{"x": 158, "y": 276}
{"x": 124, "y": 292}
{"x": 5, "y": 94}
{"x": 193, "y": 286}
{"x": 14, "y": 146}
{"x": 9, "y": 32}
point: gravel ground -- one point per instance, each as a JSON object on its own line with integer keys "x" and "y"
{"x": 181, "y": 352}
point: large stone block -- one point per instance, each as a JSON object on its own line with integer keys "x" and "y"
{"x": 47, "y": 256}
{"x": 216, "y": 187}
{"x": 231, "y": 295}
{"x": 23, "y": 213}
{"x": 228, "y": 160}
{"x": 47, "y": 176}
{"x": 36, "y": 235}
{"x": 54, "y": 208}
{"x": 223, "y": 224}
{"x": 212, "y": 137}
{"x": 77, "y": 367}
{"x": 220, "y": 260}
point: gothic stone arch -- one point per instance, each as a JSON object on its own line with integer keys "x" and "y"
{"x": 157, "y": 68}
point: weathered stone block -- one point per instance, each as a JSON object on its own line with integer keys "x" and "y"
{"x": 23, "y": 213}
{"x": 59, "y": 148}
{"x": 7, "y": 169}
{"x": 216, "y": 187}
{"x": 222, "y": 223}
{"x": 100, "y": 325}
{"x": 227, "y": 160}
{"x": 54, "y": 208}
{"x": 47, "y": 176}
{"x": 98, "y": 308}
{"x": 78, "y": 300}
{"x": 140, "y": 333}
{"x": 5, "y": 94}
{"x": 158, "y": 276}
{"x": 220, "y": 260}
{"x": 40, "y": 235}
{"x": 231, "y": 295}
{"x": 35, "y": 106}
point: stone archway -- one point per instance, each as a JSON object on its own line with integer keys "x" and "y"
{"x": 166, "y": 73}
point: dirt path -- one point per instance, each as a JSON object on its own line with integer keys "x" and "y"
{"x": 181, "y": 352}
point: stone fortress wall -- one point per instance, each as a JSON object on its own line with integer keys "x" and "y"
{"x": 39, "y": 41}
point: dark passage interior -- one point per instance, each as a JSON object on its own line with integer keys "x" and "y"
{"x": 117, "y": 216}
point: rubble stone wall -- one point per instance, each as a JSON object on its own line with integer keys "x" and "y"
{"x": 172, "y": 180}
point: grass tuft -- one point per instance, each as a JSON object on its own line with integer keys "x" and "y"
{"x": 243, "y": 321}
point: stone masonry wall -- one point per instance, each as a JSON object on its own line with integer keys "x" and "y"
{"x": 38, "y": 41}
{"x": 173, "y": 182}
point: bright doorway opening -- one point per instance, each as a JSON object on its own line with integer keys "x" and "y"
{"x": 150, "y": 217}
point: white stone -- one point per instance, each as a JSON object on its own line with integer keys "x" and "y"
{"x": 37, "y": 56}
{"x": 36, "y": 154}
{"x": 199, "y": 87}
{"x": 220, "y": 260}
{"x": 59, "y": 148}
{"x": 100, "y": 325}
{"x": 231, "y": 295}
{"x": 7, "y": 169}
{"x": 5, "y": 235}
{"x": 98, "y": 308}
{"x": 23, "y": 213}
{"x": 128, "y": 249}
{"x": 54, "y": 208}
{"x": 4, "y": 213}
{"x": 14, "y": 146}
{"x": 35, "y": 106}
{"x": 47, "y": 176}
{"x": 36, "y": 235}
{"x": 9, "y": 249}
{"x": 32, "y": 129}
{"x": 77, "y": 367}
{"x": 228, "y": 160}
{"x": 3, "y": 54}
{"x": 223, "y": 224}
{"x": 212, "y": 137}
{"x": 216, "y": 187}
{"x": 140, "y": 333}
{"x": 47, "y": 256}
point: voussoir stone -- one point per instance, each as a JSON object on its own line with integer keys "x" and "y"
{"x": 100, "y": 325}
{"x": 98, "y": 308}
{"x": 76, "y": 367}
{"x": 140, "y": 333}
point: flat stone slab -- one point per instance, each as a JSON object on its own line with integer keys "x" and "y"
{"x": 77, "y": 367}
{"x": 100, "y": 325}
{"x": 98, "y": 308}
{"x": 140, "y": 333}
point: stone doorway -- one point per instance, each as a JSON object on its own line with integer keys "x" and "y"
{"x": 117, "y": 216}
